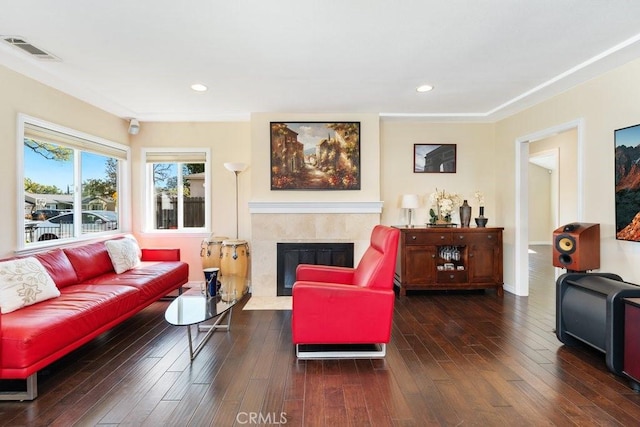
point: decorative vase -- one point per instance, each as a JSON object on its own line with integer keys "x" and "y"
{"x": 211, "y": 281}
{"x": 481, "y": 221}
{"x": 465, "y": 214}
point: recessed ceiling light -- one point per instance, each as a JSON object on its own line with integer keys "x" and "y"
{"x": 198, "y": 87}
{"x": 424, "y": 88}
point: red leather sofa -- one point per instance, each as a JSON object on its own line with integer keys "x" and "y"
{"x": 93, "y": 299}
{"x": 341, "y": 305}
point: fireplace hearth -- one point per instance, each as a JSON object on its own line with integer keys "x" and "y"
{"x": 289, "y": 255}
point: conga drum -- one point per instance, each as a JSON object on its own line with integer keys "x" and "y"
{"x": 210, "y": 251}
{"x": 232, "y": 287}
{"x": 234, "y": 258}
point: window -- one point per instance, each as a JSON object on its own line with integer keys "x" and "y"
{"x": 177, "y": 190}
{"x": 67, "y": 175}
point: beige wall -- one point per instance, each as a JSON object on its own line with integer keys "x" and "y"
{"x": 476, "y": 166}
{"x": 261, "y": 159}
{"x": 228, "y": 142}
{"x": 486, "y": 157}
{"x": 540, "y": 209}
{"x": 272, "y": 228}
{"x": 23, "y": 95}
{"x": 566, "y": 146}
{"x": 606, "y": 103}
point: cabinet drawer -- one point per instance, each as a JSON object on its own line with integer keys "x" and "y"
{"x": 452, "y": 276}
{"x": 489, "y": 238}
{"x": 413, "y": 238}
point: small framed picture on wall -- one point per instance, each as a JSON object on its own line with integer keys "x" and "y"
{"x": 434, "y": 158}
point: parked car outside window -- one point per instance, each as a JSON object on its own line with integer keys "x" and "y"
{"x": 43, "y": 214}
{"x": 61, "y": 226}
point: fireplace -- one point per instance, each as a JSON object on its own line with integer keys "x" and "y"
{"x": 304, "y": 222}
{"x": 289, "y": 255}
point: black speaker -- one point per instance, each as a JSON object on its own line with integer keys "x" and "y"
{"x": 576, "y": 246}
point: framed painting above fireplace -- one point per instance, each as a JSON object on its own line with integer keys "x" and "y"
{"x": 315, "y": 155}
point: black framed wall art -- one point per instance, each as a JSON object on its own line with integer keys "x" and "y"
{"x": 434, "y": 158}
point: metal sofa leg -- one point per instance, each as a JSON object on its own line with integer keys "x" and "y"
{"x": 30, "y": 394}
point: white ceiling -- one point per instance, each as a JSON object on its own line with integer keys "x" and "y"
{"x": 486, "y": 58}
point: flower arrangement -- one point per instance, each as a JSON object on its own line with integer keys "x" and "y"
{"x": 480, "y": 198}
{"x": 444, "y": 204}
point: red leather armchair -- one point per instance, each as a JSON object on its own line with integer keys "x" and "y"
{"x": 340, "y": 305}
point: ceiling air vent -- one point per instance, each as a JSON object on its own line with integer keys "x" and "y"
{"x": 27, "y": 47}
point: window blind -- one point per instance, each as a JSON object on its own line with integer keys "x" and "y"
{"x": 176, "y": 156}
{"x": 41, "y": 134}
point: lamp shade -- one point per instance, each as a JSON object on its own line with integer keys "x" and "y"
{"x": 235, "y": 166}
{"x": 410, "y": 201}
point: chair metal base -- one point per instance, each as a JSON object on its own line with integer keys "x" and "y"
{"x": 379, "y": 353}
{"x": 30, "y": 394}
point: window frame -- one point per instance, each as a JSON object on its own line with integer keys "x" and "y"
{"x": 148, "y": 223}
{"x": 123, "y": 184}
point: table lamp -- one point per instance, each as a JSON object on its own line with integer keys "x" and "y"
{"x": 409, "y": 202}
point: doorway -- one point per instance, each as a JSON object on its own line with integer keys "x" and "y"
{"x": 522, "y": 196}
{"x": 544, "y": 187}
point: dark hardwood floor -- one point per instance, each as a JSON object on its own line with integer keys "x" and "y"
{"x": 455, "y": 359}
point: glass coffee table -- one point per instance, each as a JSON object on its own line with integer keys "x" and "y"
{"x": 193, "y": 308}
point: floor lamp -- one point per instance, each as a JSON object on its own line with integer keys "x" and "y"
{"x": 236, "y": 168}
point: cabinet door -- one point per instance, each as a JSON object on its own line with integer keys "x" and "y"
{"x": 483, "y": 263}
{"x": 420, "y": 268}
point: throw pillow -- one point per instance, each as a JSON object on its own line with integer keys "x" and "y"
{"x": 124, "y": 254}
{"x": 24, "y": 282}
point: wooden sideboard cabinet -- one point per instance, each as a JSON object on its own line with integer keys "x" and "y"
{"x": 435, "y": 258}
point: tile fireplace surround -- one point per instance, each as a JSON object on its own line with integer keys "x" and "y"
{"x": 309, "y": 222}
